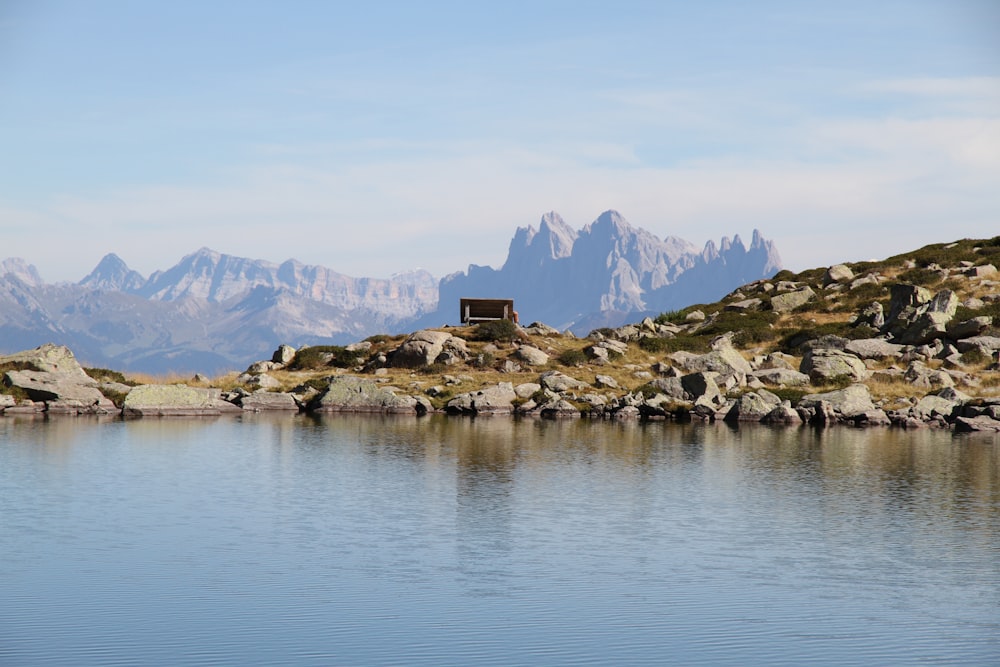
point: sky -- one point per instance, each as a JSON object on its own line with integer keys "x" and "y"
{"x": 378, "y": 137}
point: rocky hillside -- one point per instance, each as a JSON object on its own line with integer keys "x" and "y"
{"x": 908, "y": 342}
{"x": 213, "y": 311}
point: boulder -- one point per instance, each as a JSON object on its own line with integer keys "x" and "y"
{"x": 175, "y": 400}
{"x": 782, "y": 414}
{"x": 48, "y": 358}
{"x": 498, "y": 399}
{"x": 969, "y": 328}
{"x": 932, "y": 406}
{"x": 527, "y": 389}
{"x": 825, "y": 365}
{"x": 981, "y": 271}
{"x": 702, "y": 387}
{"x": 931, "y": 320}
{"x": 348, "y": 393}
{"x": 283, "y": 355}
{"x": 837, "y": 273}
{"x": 560, "y": 382}
{"x": 789, "y": 301}
{"x": 559, "y": 409}
{"x": 985, "y": 344}
{"x": 904, "y": 300}
{"x": 751, "y": 407}
{"x": 871, "y": 315}
{"x": 919, "y": 375}
{"x": 531, "y": 356}
{"x": 849, "y": 401}
{"x": 266, "y": 401}
{"x": 421, "y": 348}
{"x": 726, "y": 360}
{"x": 781, "y": 377}
{"x": 873, "y": 348}
{"x": 605, "y": 382}
{"x": 744, "y": 305}
{"x": 980, "y": 423}
{"x": 57, "y": 380}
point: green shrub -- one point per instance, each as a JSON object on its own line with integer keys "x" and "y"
{"x": 484, "y": 360}
{"x": 748, "y": 327}
{"x": 572, "y": 357}
{"x": 502, "y": 331}
{"x": 106, "y": 375}
{"x": 653, "y": 344}
{"x": 324, "y": 356}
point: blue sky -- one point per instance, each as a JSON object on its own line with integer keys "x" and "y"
{"x": 378, "y": 137}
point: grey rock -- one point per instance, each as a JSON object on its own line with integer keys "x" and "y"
{"x": 744, "y": 305}
{"x": 48, "y": 358}
{"x": 605, "y": 382}
{"x": 985, "y": 344}
{"x": 695, "y": 316}
{"x": 982, "y": 271}
{"x": 559, "y": 409}
{"x": 782, "y": 377}
{"x": 266, "y": 401}
{"x": 848, "y": 401}
{"x": 919, "y": 375}
{"x": 348, "y": 393}
{"x": 905, "y": 297}
{"x": 498, "y": 399}
{"x": 175, "y": 400}
{"x": 789, "y": 301}
{"x": 873, "y": 348}
{"x": 702, "y": 387}
{"x": 560, "y": 382}
{"x": 782, "y": 414}
{"x": 969, "y": 328}
{"x": 973, "y": 424}
{"x": 871, "y": 315}
{"x": 421, "y": 348}
{"x": 837, "y": 273}
{"x": 526, "y": 389}
{"x": 824, "y": 365}
{"x": 931, "y": 406}
{"x": 673, "y": 388}
{"x": 531, "y": 356}
{"x": 283, "y": 355}
{"x": 750, "y": 407}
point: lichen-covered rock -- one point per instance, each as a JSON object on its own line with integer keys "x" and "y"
{"x": 825, "y": 365}
{"x": 532, "y": 356}
{"x": 266, "y": 401}
{"x": 980, "y": 423}
{"x": 849, "y": 401}
{"x": 751, "y": 407}
{"x": 873, "y": 348}
{"x": 782, "y": 414}
{"x": 871, "y": 315}
{"x": 348, "y": 393}
{"x": 837, "y": 273}
{"x": 175, "y": 400}
{"x": 48, "y": 358}
{"x": 498, "y": 399}
{"x": 283, "y": 355}
{"x": 421, "y": 348}
{"x": 560, "y": 382}
{"x": 932, "y": 406}
{"x": 789, "y": 301}
{"x": 782, "y": 377}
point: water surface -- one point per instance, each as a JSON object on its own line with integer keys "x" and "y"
{"x": 442, "y": 541}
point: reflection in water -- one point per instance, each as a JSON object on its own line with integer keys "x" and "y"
{"x": 374, "y": 540}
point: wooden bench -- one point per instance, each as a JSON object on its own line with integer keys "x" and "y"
{"x": 486, "y": 310}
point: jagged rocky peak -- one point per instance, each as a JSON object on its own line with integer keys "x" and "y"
{"x": 552, "y": 240}
{"x": 113, "y": 274}
{"x": 20, "y": 269}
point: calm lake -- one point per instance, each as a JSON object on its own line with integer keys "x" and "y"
{"x": 445, "y": 541}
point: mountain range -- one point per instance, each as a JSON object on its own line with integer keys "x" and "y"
{"x": 213, "y": 312}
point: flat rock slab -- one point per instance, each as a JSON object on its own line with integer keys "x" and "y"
{"x": 175, "y": 400}
{"x": 348, "y": 393}
{"x": 265, "y": 401}
{"x": 981, "y": 423}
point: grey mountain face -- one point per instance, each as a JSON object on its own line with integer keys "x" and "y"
{"x": 213, "y": 312}
{"x": 607, "y": 272}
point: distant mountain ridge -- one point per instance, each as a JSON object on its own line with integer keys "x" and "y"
{"x": 213, "y": 312}
{"x": 608, "y": 271}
